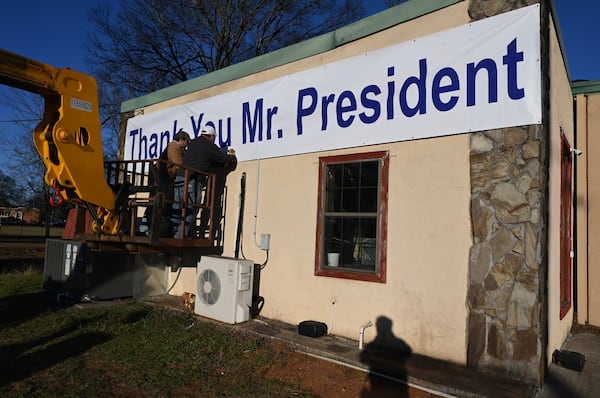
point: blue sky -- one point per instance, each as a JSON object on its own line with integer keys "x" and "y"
{"x": 54, "y": 33}
{"x": 580, "y": 32}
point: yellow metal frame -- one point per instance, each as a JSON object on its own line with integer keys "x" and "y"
{"x": 69, "y": 136}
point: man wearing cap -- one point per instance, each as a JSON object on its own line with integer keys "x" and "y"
{"x": 169, "y": 161}
{"x": 203, "y": 155}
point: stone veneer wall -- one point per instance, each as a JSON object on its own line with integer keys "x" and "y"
{"x": 507, "y": 267}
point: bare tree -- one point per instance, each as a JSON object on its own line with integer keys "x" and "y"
{"x": 23, "y": 183}
{"x": 10, "y": 191}
{"x": 24, "y": 163}
{"x": 151, "y": 44}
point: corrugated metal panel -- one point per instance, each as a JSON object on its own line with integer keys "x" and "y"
{"x": 60, "y": 259}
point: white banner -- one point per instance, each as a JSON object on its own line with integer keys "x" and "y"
{"x": 480, "y": 76}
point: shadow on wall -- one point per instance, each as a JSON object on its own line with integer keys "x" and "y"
{"x": 385, "y": 352}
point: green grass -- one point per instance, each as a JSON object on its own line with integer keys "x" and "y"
{"x": 17, "y": 282}
{"x": 123, "y": 348}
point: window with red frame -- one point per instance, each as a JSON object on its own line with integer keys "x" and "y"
{"x": 352, "y": 216}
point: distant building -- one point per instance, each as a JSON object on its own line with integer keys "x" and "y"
{"x": 24, "y": 214}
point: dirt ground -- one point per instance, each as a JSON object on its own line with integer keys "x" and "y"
{"x": 324, "y": 378}
{"x": 321, "y": 377}
{"x": 331, "y": 380}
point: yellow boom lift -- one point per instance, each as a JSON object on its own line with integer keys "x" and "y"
{"x": 68, "y": 138}
{"x": 69, "y": 141}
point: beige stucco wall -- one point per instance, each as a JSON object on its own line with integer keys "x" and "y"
{"x": 428, "y": 225}
{"x": 581, "y": 201}
{"x": 593, "y": 221}
{"x": 561, "y": 116}
{"x": 428, "y": 244}
{"x": 588, "y": 210}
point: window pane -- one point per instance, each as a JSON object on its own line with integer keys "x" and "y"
{"x": 358, "y": 189}
{"x": 369, "y": 174}
{"x": 354, "y": 238}
{"x": 334, "y": 175}
{"x": 332, "y": 235}
{"x": 334, "y": 200}
{"x": 368, "y": 200}
{"x": 351, "y": 230}
{"x": 351, "y": 175}
{"x": 333, "y": 188}
{"x": 350, "y": 200}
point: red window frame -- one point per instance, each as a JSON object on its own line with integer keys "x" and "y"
{"x": 566, "y": 208}
{"x": 381, "y": 266}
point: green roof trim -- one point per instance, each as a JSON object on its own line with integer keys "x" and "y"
{"x": 585, "y": 87}
{"x": 329, "y": 41}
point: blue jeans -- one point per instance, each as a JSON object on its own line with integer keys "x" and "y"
{"x": 194, "y": 196}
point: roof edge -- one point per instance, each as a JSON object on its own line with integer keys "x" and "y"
{"x": 585, "y": 87}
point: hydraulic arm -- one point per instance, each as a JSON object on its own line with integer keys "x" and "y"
{"x": 69, "y": 137}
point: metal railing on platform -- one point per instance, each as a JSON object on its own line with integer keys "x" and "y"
{"x": 153, "y": 201}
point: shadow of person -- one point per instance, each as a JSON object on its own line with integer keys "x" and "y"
{"x": 385, "y": 356}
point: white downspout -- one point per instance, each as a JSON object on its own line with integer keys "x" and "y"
{"x": 361, "y": 334}
{"x": 256, "y": 203}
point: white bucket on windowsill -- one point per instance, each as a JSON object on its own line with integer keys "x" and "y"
{"x": 333, "y": 259}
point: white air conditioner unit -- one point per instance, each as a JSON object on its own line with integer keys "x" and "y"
{"x": 224, "y": 289}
